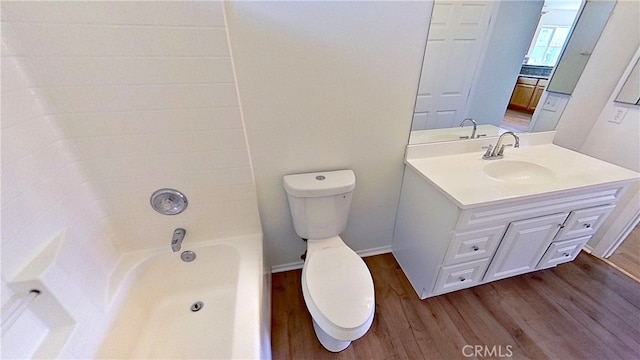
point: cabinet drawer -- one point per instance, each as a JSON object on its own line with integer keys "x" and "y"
{"x": 584, "y": 222}
{"x": 527, "y": 80}
{"x": 456, "y": 277}
{"x": 473, "y": 245}
{"x": 562, "y": 251}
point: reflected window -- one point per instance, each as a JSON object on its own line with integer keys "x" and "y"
{"x": 548, "y": 45}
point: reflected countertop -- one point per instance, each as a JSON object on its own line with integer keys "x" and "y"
{"x": 453, "y": 134}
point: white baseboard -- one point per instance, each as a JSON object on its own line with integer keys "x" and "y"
{"x": 375, "y": 251}
{"x": 287, "y": 267}
{"x": 299, "y": 264}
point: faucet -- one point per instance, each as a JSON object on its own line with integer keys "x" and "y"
{"x": 475, "y": 126}
{"x": 498, "y": 151}
{"x": 178, "y": 237}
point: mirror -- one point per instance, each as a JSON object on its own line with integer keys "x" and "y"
{"x": 481, "y": 63}
{"x": 630, "y": 92}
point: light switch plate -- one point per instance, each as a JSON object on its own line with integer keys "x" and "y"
{"x": 618, "y": 114}
{"x": 551, "y": 103}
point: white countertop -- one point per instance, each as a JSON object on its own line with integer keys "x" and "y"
{"x": 453, "y": 133}
{"x": 462, "y": 179}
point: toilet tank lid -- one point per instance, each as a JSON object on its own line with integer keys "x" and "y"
{"x": 323, "y": 183}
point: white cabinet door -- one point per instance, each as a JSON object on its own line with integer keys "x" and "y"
{"x": 523, "y": 245}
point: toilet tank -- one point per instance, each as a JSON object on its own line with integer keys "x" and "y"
{"x": 319, "y": 202}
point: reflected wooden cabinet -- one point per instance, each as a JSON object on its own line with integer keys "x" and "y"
{"x": 527, "y": 93}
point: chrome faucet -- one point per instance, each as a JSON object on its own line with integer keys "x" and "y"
{"x": 475, "y": 127}
{"x": 498, "y": 151}
{"x": 178, "y": 237}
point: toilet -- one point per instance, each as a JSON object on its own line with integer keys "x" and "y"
{"x": 336, "y": 284}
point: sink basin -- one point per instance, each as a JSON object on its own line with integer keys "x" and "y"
{"x": 518, "y": 172}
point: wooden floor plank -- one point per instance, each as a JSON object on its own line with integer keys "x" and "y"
{"x": 627, "y": 256}
{"x": 582, "y": 310}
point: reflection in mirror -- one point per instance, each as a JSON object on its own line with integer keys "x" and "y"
{"x": 483, "y": 57}
{"x": 630, "y": 92}
{"x": 593, "y": 17}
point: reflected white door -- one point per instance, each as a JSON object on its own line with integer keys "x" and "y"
{"x": 454, "y": 49}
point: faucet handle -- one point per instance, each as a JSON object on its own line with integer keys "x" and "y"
{"x": 501, "y": 150}
{"x": 487, "y": 154}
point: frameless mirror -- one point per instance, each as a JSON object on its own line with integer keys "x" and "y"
{"x": 630, "y": 92}
{"x": 489, "y": 61}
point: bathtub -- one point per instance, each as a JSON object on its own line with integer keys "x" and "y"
{"x": 215, "y": 307}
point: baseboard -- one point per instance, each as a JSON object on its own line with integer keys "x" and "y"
{"x": 375, "y": 251}
{"x": 299, "y": 264}
{"x": 287, "y": 267}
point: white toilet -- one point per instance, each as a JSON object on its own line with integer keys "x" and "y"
{"x": 336, "y": 283}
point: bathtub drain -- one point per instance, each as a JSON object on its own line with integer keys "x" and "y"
{"x": 188, "y": 256}
{"x": 197, "y": 306}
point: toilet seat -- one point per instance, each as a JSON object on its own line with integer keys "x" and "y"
{"x": 338, "y": 288}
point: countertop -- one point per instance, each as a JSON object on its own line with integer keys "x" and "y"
{"x": 461, "y": 177}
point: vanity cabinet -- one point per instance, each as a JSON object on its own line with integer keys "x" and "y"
{"x": 526, "y": 94}
{"x": 443, "y": 248}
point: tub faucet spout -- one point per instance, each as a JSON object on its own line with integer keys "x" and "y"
{"x": 178, "y": 237}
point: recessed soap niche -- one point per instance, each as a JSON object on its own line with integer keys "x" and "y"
{"x": 34, "y": 287}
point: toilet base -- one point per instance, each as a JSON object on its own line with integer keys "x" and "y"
{"x": 329, "y": 343}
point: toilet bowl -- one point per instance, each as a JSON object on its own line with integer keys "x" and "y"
{"x": 336, "y": 284}
{"x": 338, "y": 291}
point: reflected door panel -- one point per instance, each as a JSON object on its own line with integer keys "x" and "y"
{"x": 454, "y": 47}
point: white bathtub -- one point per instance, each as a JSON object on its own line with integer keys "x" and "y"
{"x": 155, "y": 319}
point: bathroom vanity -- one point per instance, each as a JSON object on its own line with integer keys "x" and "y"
{"x": 464, "y": 221}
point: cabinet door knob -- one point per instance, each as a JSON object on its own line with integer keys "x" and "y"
{"x": 462, "y": 279}
{"x": 475, "y": 248}
{"x": 566, "y": 254}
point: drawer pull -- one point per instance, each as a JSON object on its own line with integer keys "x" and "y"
{"x": 462, "y": 279}
{"x": 475, "y": 248}
{"x": 566, "y": 254}
{"x": 587, "y": 226}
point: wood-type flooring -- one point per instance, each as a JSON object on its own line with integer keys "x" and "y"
{"x": 585, "y": 309}
{"x": 627, "y": 256}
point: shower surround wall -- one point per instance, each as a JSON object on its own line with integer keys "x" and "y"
{"x": 103, "y": 103}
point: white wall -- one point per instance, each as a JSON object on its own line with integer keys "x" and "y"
{"x": 584, "y": 125}
{"x": 624, "y": 150}
{"x": 103, "y": 103}
{"x": 328, "y": 85}
{"x": 611, "y": 55}
{"x": 45, "y": 192}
